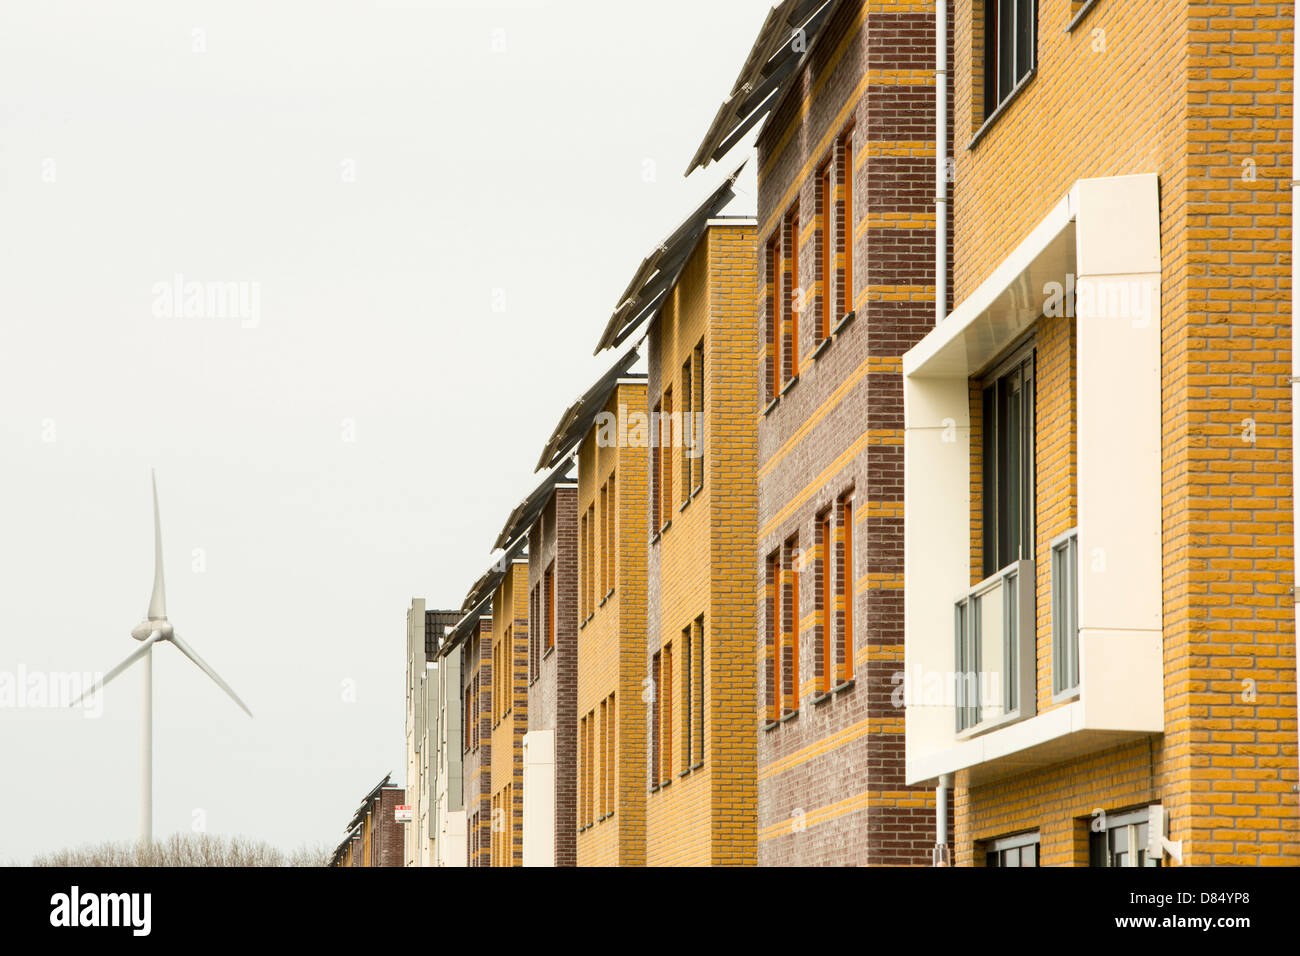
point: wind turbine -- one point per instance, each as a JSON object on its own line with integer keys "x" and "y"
{"x": 155, "y": 629}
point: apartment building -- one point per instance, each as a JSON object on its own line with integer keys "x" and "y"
{"x": 548, "y": 521}
{"x": 374, "y": 836}
{"x": 424, "y": 629}
{"x": 1099, "y": 554}
{"x": 695, "y": 295}
{"x": 609, "y": 610}
{"x": 444, "y": 703}
{"x": 846, "y": 285}
{"x": 470, "y": 642}
{"x": 506, "y": 706}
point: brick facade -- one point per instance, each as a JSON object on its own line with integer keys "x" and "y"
{"x": 476, "y": 685}
{"x": 553, "y": 673}
{"x": 701, "y": 811}
{"x": 857, "y": 129}
{"x": 611, "y": 642}
{"x": 1199, "y": 94}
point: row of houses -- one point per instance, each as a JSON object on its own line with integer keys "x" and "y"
{"x": 940, "y": 513}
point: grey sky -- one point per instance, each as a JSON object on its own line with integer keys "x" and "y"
{"x": 128, "y": 156}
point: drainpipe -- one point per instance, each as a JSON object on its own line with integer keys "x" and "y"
{"x": 941, "y": 857}
{"x": 940, "y": 161}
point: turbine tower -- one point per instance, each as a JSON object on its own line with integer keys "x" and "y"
{"x": 155, "y": 629}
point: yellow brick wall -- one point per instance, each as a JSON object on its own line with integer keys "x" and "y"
{"x": 510, "y": 607}
{"x": 1201, "y": 95}
{"x": 707, "y": 557}
{"x": 611, "y": 645}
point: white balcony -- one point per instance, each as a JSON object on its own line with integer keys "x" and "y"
{"x": 1107, "y": 682}
{"x": 993, "y": 653}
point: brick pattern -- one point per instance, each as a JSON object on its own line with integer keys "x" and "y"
{"x": 702, "y": 563}
{"x": 831, "y": 774}
{"x": 477, "y": 781}
{"x": 611, "y": 645}
{"x": 506, "y": 766}
{"x": 552, "y": 694}
{"x": 1200, "y": 94}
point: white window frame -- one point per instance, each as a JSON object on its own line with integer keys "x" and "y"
{"x": 1065, "y": 616}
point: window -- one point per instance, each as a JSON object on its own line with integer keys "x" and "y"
{"x": 823, "y": 248}
{"x": 496, "y": 682}
{"x": 1065, "y": 612}
{"x": 607, "y": 539}
{"x": 823, "y": 650}
{"x": 666, "y": 717}
{"x": 656, "y": 479}
{"x": 590, "y": 557}
{"x": 772, "y": 582}
{"x": 534, "y": 631}
{"x": 610, "y": 764}
{"x": 548, "y": 594}
{"x": 791, "y": 297}
{"x": 656, "y": 678}
{"x": 583, "y": 758}
{"x": 666, "y": 442}
{"x": 966, "y": 683}
{"x": 603, "y": 782}
{"x": 844, "y": 591}
{"x": 589, "y": 768}
{"x": 782, "y": 301}
{"x": 583, "y": 566}
{"x": 1010, "y": 28}
{"x": 772, "y": 319}
{"x": 788, "y": 658}
{"x": 697, "y": 421}
{"x": 467, "y": 730}
{"x": 688, "y": 698}
{"x": 1122, "y": 840}
{"x": 698, "y": 697}
{"x": 844, "y": 224}
{"x": 604, "y": 542}
{"x": 1008, "y": 492}
{"x": 612, "y": 550}
{"x": 688, "y": 431}
{"x": 1019, "y": 850}
{"x": 502, "y": 653}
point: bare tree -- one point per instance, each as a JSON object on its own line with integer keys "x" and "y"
{"x": 198, "y": 849}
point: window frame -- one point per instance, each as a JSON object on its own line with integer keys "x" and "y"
{"x": 845, "y": 589}
{"x": 824, "y": 604}
{"x": 993, "y": 469}
{"x": 1017, "y": 841}
{"x": 697, "y": 421}
{"x": 1065, "y": 615}
{"x": 1132, "y": 821}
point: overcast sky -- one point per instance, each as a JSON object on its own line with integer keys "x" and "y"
{"x": 431, "y": 208}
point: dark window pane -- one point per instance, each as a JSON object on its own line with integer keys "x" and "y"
{"x": 1006, "y": 49}
{"x": 1026, "y": 461}
{"x": 1025, "y": 10}
{"x": 1097, "y": 855}
{"x": 990, "y": 482}
{"x": 990, "y": 56}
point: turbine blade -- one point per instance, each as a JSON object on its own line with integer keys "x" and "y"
{"x": 134, "y": 656}
{"x": 189, "y": 652}
{"x": 158, "y": 600}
